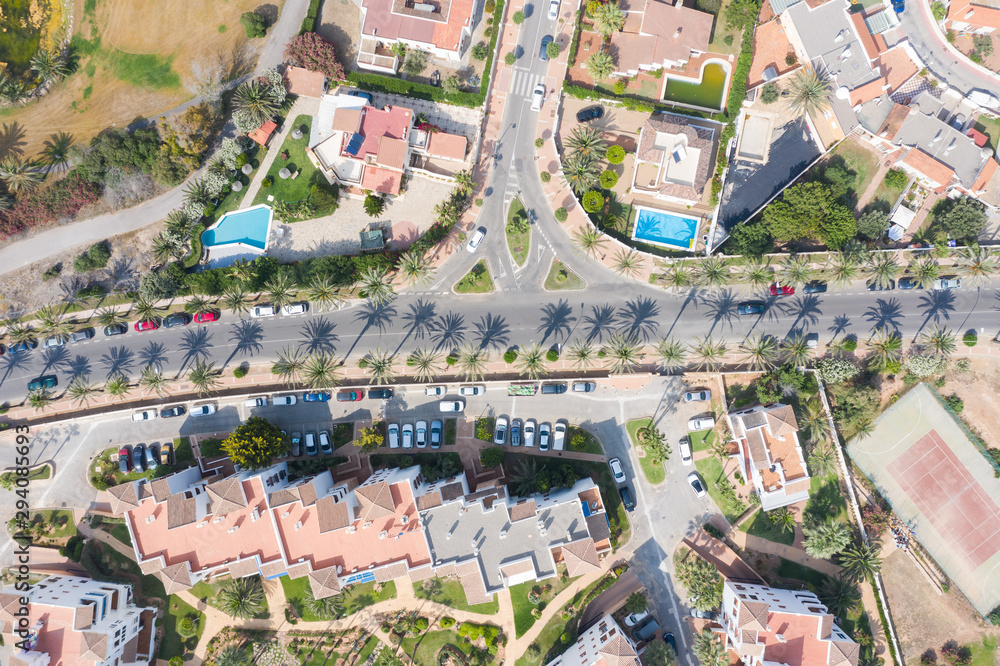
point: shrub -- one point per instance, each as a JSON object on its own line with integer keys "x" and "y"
{"x": 850, "y": 345}
{"x": 484, "y": 428}
{"x": 552, "y": 356}
{"x": 896, "y": 179}
{"x": 837, "y": 370}
{"x": 518, "y": 17}
{"x": 240, "y": 372}
{"x": 714, "y": 531}
{"x": 446, "y": 622}
{"x": 956, "y": 403}
{"x": 267, "y": 182}
{"x": 186, "y": 627}
{"x": 615, "y": 154}
{"x": 539, "y": 142}
{"x": 509, "y": 356}
{"x": 769, "y": 93}
{"x": 254, "y": 24}
{"x": 791, "y": 60}
{"x": 52, "y": 272}
{"x": 96, "y": 256}
{"x": 479, "y": 51}
{"x": 561, "y": 214}
{"x": 620, "y": 86}
{"x": 91, "y": 291}
{"x": 491, "y": 457}
{"x": 510, "y": 59}
{"x": 552, "y": 50}
{"x": 451, "y": 359}
{"x": 210, "y": 447}
{"x": 593, "y": 201}
{"x": 312, "y": 52}
{"x": 963, "y": 365}
{"x": 608, "y": 179}
{"x": 421, "y": 624}
{"x": 970, "y": 339}
{"x": 545, "y": 176}
{"x": 164, "y": 283}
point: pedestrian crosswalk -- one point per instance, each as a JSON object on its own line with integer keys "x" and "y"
{"x": 523, "y": 82}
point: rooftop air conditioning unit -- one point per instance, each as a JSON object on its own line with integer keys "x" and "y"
{"x": 424, "y": 7}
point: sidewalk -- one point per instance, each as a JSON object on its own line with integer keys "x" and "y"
{"x": 750, "y": 542}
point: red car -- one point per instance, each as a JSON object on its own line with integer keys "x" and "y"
{"x": 350, "y": 396}
{"x": 782, "y": 290}
{"x": 148, "y": 325}
{"x": 205, "y": 317}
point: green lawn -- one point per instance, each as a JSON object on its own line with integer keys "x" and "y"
{"x": 591, "y": 443}
{"x": 120, "y": 532}
{"x": 862, "y": 161}
{"x": 477, "y": 281}
{"x": 355, "y": 597}
{"x": 449, "y": 591}
{"x": 720, "y": 31}
{"x": 561, "y": 278}
{"x": 37, "y": 474}
{"x": 985, "y": 653}
{"x": 886, "y": 193}
{"x": 548, "y": 639}
{"x": 65, "y": 527}
{"x": 450, "y": 432}
{"x": 795, "y": 571}
{"x": 210, "y": 593}
{"x": 701, "y": 440}
{"x": 523, "y": 619}
{"x": 826, "y": 500}
{"x": 183, "y": 454}
{"x": 518, "y": 242}
{"x": 172, "y": 645}
{"x": 289, "y": 189}
{"x": 423, "y": 649}
{"x": 711, "y": 471}
{"x": 343, "y": 433}
{"x": 149, "y": 585}
{"x": 760, "y": 526}
{"x": 232, "y": 200}
{"x": 991, "y": 128}
{"x": 654, "y": 473}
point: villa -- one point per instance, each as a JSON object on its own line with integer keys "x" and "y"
{"x": 673, "y": 159}
{"x": 78, "y": 621}
{"x": 973, "y": 17}
{"x": 662, "y": 35}
{"x": 767, "y": 625}
{"x": 769, "y": 454}
{"x": 443, "y": 28}
{"x": 200, "y": 523}
{"x": 603, "y": 644}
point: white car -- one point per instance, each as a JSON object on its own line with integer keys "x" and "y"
{"x": 408, "y": 436}
{"x": 559, "y": 436}
{"x": 500, "y": 431}
{"x": 698, "y": 395}
{"x": 202, "y": 410}
{"x": 145, "y": 415}
{"x": 259, "y": 311}
{"x": 617, "y": 471}
{"x": 544, "y": 435}
{"x": 685, "y": 447}
{"x": 530, "y": 428}
{"x": 283, "y": 400}
{"x": 472, "y": 390}
{"x": 54, "y": 341}
{"x": 393, "y": 431}
{"x": 477, "y": 238}
{"x": 421, "y": 434}
{"x": 553, "y": 10}
{"x": 701, "y": 423}
{"x": 635, "y": 618}
{"x": 696, "y": 485}
{"x": 435, "y": 390}
{"x": 295, "y": 308}
{"x": 260, "y": 401}
{"x": 452, "y": 405}
{"x": 538, "y": 97}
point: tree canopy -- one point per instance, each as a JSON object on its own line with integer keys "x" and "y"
{"x": 703, "y": 582}
{"x": 810, "y": 211}
{"x": 255, "y": 443}
{"x": 963, "y": 219}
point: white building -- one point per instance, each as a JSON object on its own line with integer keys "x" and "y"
{"x": 769, "y": 454}
{"x": 604, "y": 643}
{"x": 78, "y": 621}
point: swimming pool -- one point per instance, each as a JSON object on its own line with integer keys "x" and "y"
{"x": 659, "y": 227}
{"x": 249, "y": 227}
{"x": 705, "y": 92}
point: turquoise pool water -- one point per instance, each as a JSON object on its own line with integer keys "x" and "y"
{"x": 249, "y": 226}
{"x": 663, "y": 228}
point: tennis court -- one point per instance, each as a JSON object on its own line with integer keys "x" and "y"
{"x": 941, "y": 485}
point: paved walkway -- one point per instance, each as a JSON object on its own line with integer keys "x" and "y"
{"x": 302, "y": 105}
{"x": 612, "y": 599}
{"x": 750, "y": 542}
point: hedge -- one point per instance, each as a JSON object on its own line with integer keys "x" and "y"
{"x": 885, "y": 624}
{"x": 312, "y": 17}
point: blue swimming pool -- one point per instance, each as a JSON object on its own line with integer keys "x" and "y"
{"x": 250, "y": 227}
{"x": 667, "y": 229}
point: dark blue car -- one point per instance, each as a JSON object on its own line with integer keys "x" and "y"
{"x": 898, "y": 5}
{"x": 26, "y": 345}
{"x": 317, "y": 396}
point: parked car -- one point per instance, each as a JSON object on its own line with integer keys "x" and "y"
{"x": 703, "y": 615}
{"x": 393, "y": 434}
{"x": 350, "y": 396}
{"x": 553, "y": 10}
{"x": 146, "y": 325}
{"x": 311, "y": 448}
{"x": 259, "y": 311}
{"x": 81, "y": 335}
{"x": 538, "y": 97}
{"x": 436, "y": 434}
{"x": 590, "y": 113}
{"x": 515, "y": 432}
{"x": 617, "y": 471}
{"x": 685, "y": 447}
{"x": 751, "y": 308}
{"x": 113, "y": 329}
{"x": 315, "y": 396}
{"x": 125, "y": 459}
{"x": 782, "y": 290}
{"x": 584, "y": 387}
{"x": 379, "y": 393}
{"x": 363, "y": 95}
{"x": 814, "y": 287}
{"x": 176, "y": 319}
{"x": 295, "y": 308}
{"x": 559, "y": 436}
{"x": 23, "y": 346}
{"x": 408, "y": 436}
{"x": 701, "y": 423}
{"x": 907, "y": 283}
{"x": 145, "y": 415}
{"x": 647, "y": 629}
{"x": 698, "y": 395}
{"x": 635, "y": 618}
{"x": 152, "y": 457}
{"x": 324, "y": 443}
{"x": 899, "y": 6}
{"x": 946, "y": 283}
{"x": 627, "y": 500}
{"x": 530, "y": 428}
{"x": 283, "y": 400}
{"x": 472, "y": 390}
{"x": 544, "y": 436}
{"x": 206, "y": 317}
{"x": 421, "y": 432}
{"x": 696, "y": 485}
{"x": 296, "y": 444}
{"x": 167, "y": 453}
{"x": 43, "y": 382}
{"x": 669, "y": 639}
{"x": 139, "y": 458}
{"x": 557, "y": 389}
{"x": 435, "y": 390}
{"x": 477, "y": 238}
{"x": 500, "y": 431}
{"x": 259, "y": 401}
{"x": 812, "y": 340}
{"x": 875, "y": 286}
{"x": 169, "y": 412}
{"x": 202, "y": 410}
{"x": 54, "y": 341}
{"x": 543, "y": 52}
{"x": 452, "y": 405}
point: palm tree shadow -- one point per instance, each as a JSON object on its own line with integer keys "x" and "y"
{"x": 319, "y": 336}
{"x": 840, "y": 324}
{"x": 246, "y": 335}
{"x": 493, "y": 332}
{"x": 639, "y": 318}
{"x": 79, "y": 366}
{"x": 195, "y": 343}
{"x": 601, "y": 321}
{"x": 153, "y": 354}
{"x": 13, "y": 362}
{"x": 373, "y": 316}
{"x": 556, "y": 320}
{"x": 118, "y": 360}
{"x": 420, "y": 317}
{"x": 55, "y": 357}
{"x": 805, "y": 308}
{"x": 722, "y": 307}
{"x": 12, "y": 140}
{"x": 937, "y": 305}
{"x": 885, "y": 314}
{"x": 449, "y": 331}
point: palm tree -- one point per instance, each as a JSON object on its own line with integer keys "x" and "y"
{"x": 379, "y": 365}
{"x": 198, "y": 305}
{"x": 416, "y": 268}
{"x": 289, "y": 366}
{"x": 167, "y": 246}
{"x": 860, "y": 562}
{"x": 145, "y": 310}
{"x": 608, "y": 18}
{"x": 710, "y": 352}
{"x": 472, "y": 360}
{"x": 236, "y": 300}
{"x": 589, "y": 240}
{"x": 761, "y": 351}
{"x": 809, "y": 92}
{"x": 713, "y": 272}
{"x": 709, "y": 649}
{"x": 320, "y": 371}
{"x": 796, "y": 350}
{"x": 783, "y": 519}
{"x": 628, "y": 262}
{"x": 587, "y": 141}
{"x": 198, "y": 195}
{"x": 56, "y": 149}
{"x": 20, "y": 176}
{"x": 52, "y": 322}
{"x": 818, "y": 426}
{"x": 81, "y": 391}
{"x": 255, "y": 100}
{"x": 757, "y": 273}
{"x": 110, "y": 317}
{"x": 322, "y": 291}
{"x": 242, "y": 598}
{"x": 327, "y": 608}
{"x": 279, "y": 289}
{"x": 882, "y": 269}
{"x": 925, "y": 270}
{"x": 826, "y": 539}
{"x": 580, "y": 172}
{"x": 796, "y": 271}
{"x": 531, "y": 362}
{"x": 464, "y": 182}
{"x": 823, "y": 461}
{"x": 624, "y": 351}
{"x": 243, "y": 271}
{"x": 864, "y": 428}
{"x": 179, "y": 222}
{"x": 600, "y": 65}
{"x": 49, "y": 65}
{"x": 678, "y": 276}
{"x": 841, "y": 597}
{"x": 375, "y": 284}
{"x": 582, "y": 354}
{"x": 40, "y": 399}
{"x": 886, "y": 347}
{"x": 152, "y": 381}
{"x": 977, "y": 265}
{"x": 939, "y": 340}
{"x": 234, "y": 655}
{"x": 843, "y": 268}
{"x": 425, "y": 364}
{"x": 672, "y": 353}
{"x": 204, "y": 377}
{"x": 522, "y": 481}
{"x": 118, "y": 386}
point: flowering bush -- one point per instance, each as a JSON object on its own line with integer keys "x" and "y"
{"x": 312, "y": 52}
{"x": 925, "y": 366}
{"x": 876, "y": 519}
{"x": 63, "y": 199}
{"x": 231, "y": 149}
{"x": 837, "y": 370}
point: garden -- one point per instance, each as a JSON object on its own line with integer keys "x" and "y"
{"x": 477, "y": 281}
{"x": 450, "y": 592}
{"x": 48, "y": 527}
{"x": 518, "y": 232}
{"x": 561, "y": 278}
{"x": 531, "y": 598}
{"x": 351, "y": 600}
{"x": 651, "y": 447}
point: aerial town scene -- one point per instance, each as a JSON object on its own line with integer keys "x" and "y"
{"x": 500, "y": 332}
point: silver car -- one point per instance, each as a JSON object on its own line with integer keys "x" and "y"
{"x": 544, "y": 435}
{"x": 617, "y": 471}
{"x": 408, "y": 436}
{"x": 553, "y": 10}
{"x": 500, "y": 431}
{"x": 698, "y": 395}
{"x": 421, "y": 434}
{"x": 393, "y": 431}
{"x": 530, "y": 428}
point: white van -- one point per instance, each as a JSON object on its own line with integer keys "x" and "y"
{"x": 283, "y": 400}
{"x": 295, "y": 308}
{"x": 256, "y": 402}
{"x": 537, "y": 97}
{"x": 452, "y": 405}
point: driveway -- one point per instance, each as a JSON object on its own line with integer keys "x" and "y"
{"x": 611, "y": 599}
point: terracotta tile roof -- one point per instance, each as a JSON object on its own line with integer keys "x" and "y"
{"x": 130, "y": 650}
{"x": 324, "y": 583}
{"x": 391, "y": 152}
{"x": 843, "y": 654}
{"x": 825, "y": 626}
{"x": 375, "y": 501}
{"x": 390, "y": 572}
{"x": 385, "y": 181}
{"x": 299, "y": 570}
{"x": 752, "y": 649}
{"x": 697, "y": 138}
{"x": 263, "y": 133}
{"x": 985, "y": 174}
{"x": 781, "y": 420}
{"x": 160, "y": 489}
{"x": 271, "y": 569}
{"x": 977, "y": 137}
{"x": 748, "y": 636}
{"x": 581, "y": 557}
{"x": 181, "y": 510}
{"x": 797, "y": 487}
{"x": 244, "y": 567}
{"x": 966, "y": 11}
{"x": 10, "y": 603}
{"x": 597, "y": 525}
{"x": 226, "y": 495}
{"x": 472, "y": 580}
{"x": 893, "y": 121}
{"x": 347, "y": 120}
{"x": 123, "y": 498}
{"x": 668, "y": 32}
{"x": 865, "y": 35}
{"x": 770, "y": 46}
{"x": 517, "y": 568}
{"x": 304, "y": 82}
{"x": 429, "y": 500}
{"x": 936, "y": 171}
{"x": 391, "y": 20}
{"x": 758, "y": 452}
{"x": 897, "y": 68}
{"x": 176, "y": 577}
{"x": 421, "y": 573}
{"x": 786, "y": 453}
{"x": 448, "y": 146}
{"x": 753, "y": 615}
{"x": 84, "y": 617}
{"x": 332, "y": 515}
{"x": 867, "y": 92}
{"x": 94, "y": 646}
{"x": 618, "y": 651}
{"x": 452, "y": 491}
{"x": 151, "y": 566}
{"x": 523, "y": 510}
{"x": 307, "y": 493}
{"x": 282, "y": 497}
